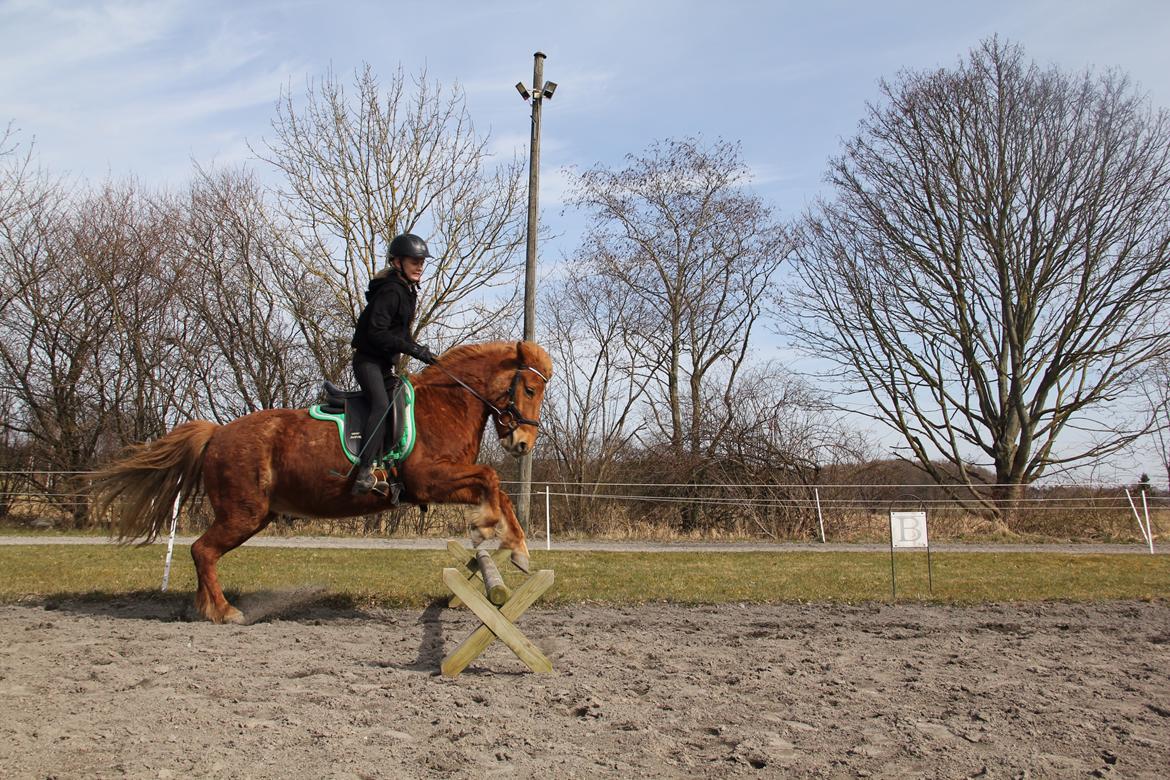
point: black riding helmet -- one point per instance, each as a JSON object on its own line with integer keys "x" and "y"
{"x": 408, "y": 245}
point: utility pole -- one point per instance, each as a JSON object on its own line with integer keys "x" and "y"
{"x": 540, "y": 90}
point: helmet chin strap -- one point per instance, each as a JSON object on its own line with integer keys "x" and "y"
{"x": 396, "y": 264}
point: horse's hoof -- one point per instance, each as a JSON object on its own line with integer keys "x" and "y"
{"x": 234, "y": 616}
{"x": 520, "y": 560}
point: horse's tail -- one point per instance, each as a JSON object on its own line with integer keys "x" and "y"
{"x": 140, "y": 489}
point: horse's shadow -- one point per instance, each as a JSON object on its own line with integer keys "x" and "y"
{"x": 299, "y": 604}
{"x": 304, "y": 605}
{"x": 430, "y": 647}
{"x": 430, "y": 650}
{"x": 135, "y": 605}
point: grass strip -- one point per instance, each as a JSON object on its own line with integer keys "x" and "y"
{"x": 412, "y": 578}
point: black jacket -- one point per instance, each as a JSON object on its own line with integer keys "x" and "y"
{"x": 383, "y": 329}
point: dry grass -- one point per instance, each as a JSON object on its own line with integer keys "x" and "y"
{"x": 1096, "y": 519}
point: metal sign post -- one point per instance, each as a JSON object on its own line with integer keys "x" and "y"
{"x": 908, "y": 531}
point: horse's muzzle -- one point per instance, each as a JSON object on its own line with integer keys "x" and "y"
{"x": 515, "y": 446}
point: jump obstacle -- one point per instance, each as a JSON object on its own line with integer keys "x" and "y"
{"x": 497, "y": 608}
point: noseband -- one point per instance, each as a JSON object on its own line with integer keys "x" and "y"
{"x": 510, "y": 417}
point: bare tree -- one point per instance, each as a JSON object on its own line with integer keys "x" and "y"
{"x": 992, "y": 270}
{"x": 241, "y": 344}
{"x": 119, "y": 243}
{"x": 15, "y": 175}
{"x": 593, "y": 409}
{"x": 784, "y": 436}
{"x": 390, "y": 159}
{"x": 698, "y": 251}
{"x": 1155, "y": 387}
{"x": 85, "y": 300}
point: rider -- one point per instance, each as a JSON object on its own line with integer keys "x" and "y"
{"x": 381, "y": 337}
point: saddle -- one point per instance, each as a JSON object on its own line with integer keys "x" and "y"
{"x": 348, "y": 409}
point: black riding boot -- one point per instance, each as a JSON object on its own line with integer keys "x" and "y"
{"x": 365, "y": 480}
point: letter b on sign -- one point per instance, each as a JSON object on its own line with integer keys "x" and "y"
{"x": 908, "y": 529}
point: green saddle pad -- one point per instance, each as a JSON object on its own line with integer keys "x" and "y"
{"x": 350, "y": 422}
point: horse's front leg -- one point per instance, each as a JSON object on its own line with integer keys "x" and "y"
{"x": 453, "y": 483}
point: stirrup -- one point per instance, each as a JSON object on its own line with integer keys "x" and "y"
{"x": 381, "y": 484}
{"x": 391, "y": 489}
{"x": 365, "y": 481}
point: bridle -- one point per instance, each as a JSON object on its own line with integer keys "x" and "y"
{"x": 510, "y": 418}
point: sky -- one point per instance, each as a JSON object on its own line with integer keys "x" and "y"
{"x": 149, "y": 88}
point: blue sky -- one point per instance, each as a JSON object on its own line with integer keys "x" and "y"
{"x": 145, "y": 88}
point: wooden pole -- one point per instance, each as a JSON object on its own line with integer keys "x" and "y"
{"x": 524, "y": 500}
{"x": 469, "y": 564}
{"x": 493, "y": 583}
{"x": 533, "y": 199}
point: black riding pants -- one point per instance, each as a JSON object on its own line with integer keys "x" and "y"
{"x": 378, "y": 381}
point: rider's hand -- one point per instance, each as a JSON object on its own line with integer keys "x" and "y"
{"x": 424, "y": 354}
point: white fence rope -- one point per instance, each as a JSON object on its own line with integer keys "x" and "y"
{"x": 816, "y": 496}
{"x": 1101, "y": 502}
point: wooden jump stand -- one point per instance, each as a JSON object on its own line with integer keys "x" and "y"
{"x": 495, "y": 605}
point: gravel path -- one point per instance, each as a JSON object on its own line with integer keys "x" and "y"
{"x": 338, "y": 542}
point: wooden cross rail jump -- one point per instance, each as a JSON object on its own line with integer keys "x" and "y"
{"x": 496, "y": 606}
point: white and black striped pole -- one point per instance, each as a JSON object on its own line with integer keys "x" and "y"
{"x": 171, "y": 543}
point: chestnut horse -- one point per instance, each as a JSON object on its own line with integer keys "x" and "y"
{"x": 282, "y": 461}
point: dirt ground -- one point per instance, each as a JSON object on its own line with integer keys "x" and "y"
{"x": 132, "y": 689}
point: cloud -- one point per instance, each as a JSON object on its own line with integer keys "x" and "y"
{"x": 124, "y": 86}
{"x": 507, "y": 145}
{"x": 246, "y": 91}
{"x": 768, "y": 173}
{"x": 555, "y": 185}
{"x": 49, "y": 37}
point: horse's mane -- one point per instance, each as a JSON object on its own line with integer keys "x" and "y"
{"x": 473, "y": 359}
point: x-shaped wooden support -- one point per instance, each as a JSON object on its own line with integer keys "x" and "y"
{"x": 497, "y": 622}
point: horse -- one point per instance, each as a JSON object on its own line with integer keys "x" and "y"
{"x": 282, "y": 461}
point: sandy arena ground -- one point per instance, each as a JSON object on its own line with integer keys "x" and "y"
{"x": 132, "y": 689}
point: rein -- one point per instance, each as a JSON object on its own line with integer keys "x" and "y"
{"x": 510, "y": 416}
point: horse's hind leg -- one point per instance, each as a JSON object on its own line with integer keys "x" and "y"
{"x": 227, "y": 532}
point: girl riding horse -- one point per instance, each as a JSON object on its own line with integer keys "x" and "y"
{"x": 282, "y": 461}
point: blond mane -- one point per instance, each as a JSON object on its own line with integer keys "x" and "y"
{"x": 487, "y": 358}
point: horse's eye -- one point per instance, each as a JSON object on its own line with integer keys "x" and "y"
{"x": 528, "y": 391}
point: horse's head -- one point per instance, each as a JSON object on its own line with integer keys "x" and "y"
{"x": 517, "y": 421}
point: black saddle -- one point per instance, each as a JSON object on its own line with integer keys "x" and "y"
{"x": 335, "y": 397}
{"x": 355, "y": 407}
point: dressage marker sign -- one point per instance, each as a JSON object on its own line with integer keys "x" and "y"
{"x": 495, "y": 605}
{"x": 908, "y": 531}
